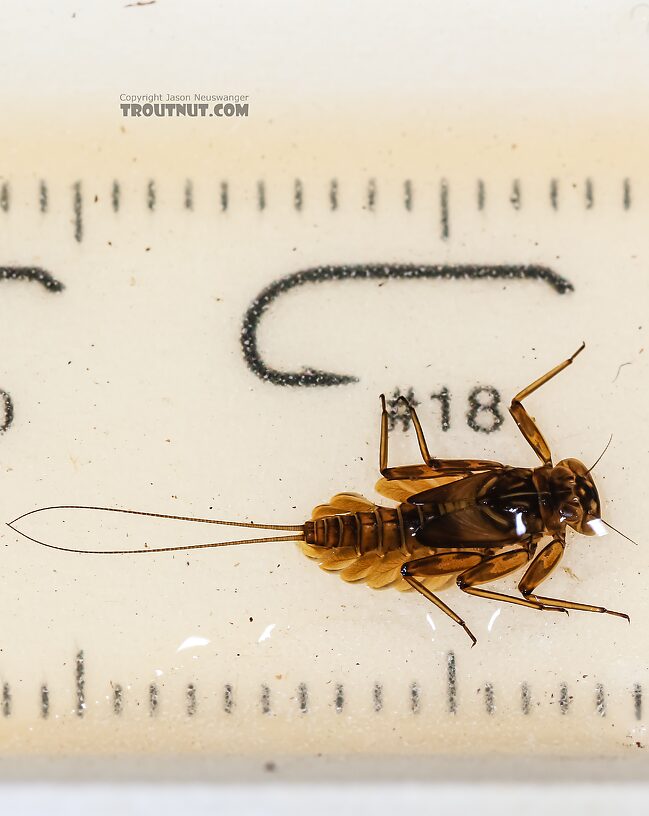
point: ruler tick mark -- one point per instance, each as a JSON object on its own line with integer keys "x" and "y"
{"x": 118, "y": 699}
{"x": 298, "y": 195}
{"x": 526, "y": 698}
{"x": 303, "y": 698}
{"x": 45, "y": 701}
{"x": 4, "y": 197}
{"x": 489, "y": 698}
{"x": 481, "y": 194}
{"x": 407, "y": 194}
{"x": 6, "y": 700}
{"x": 191, "y": 700}
{"x": 115, "y": 194}
{"x": 371, "y": 194}
{"x": 77, "y": 205}
{"x": 42, "y": 196}
{"x": 415, "y": 697}
{"x": 339, "y": 700}
{"x": 515, "y": 196}
{"x": 153, "y": 700}
{"x": 377, "y": 697}
{"x": 626, "y": 195}
{"x": 451, "y": 683}
{"x": 228, "y": 700}
{"x": 189, "y": 194}
{"x": 80, "y": 681}
{"x": 564, "y": 699}
{"x": 589, "y": 194}
{"x": 261, "y": 196}
{"x": 265, "y": 699}
{"x": 333, "y": 194}
{"x": 443, "y": 207}
{"x": 151, "y": 195}
{"x": 554, "y": 193}
{"x": 637, "y": 701}
{"x": 600, "y": 700}
{"x": 224, "y": 196}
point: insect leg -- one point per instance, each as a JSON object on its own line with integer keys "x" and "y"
{"x": 540, "y": 569}
{"x": 443, "y": 467}
{"x": 421, "y": 439}
{"x": 525, "y": 422}
{"x": 497, "y": 566}
{"x": 432, "y": 467}
{"x": 445, "y": 564}
{"x": 383, "y": 446}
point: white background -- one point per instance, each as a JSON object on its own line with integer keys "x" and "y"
{"x": 567, "y": 85}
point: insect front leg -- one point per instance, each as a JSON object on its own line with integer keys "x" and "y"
{"x": 446, "y": 564}
{"x": 432, "y": 467}
{"x": 525, "y": 422}
{"x": 497, "y": 566}
{"x": 540, "y": 569}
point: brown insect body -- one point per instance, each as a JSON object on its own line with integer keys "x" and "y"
{"x": 485, "y": 512}
{"x": 468, "y": 521}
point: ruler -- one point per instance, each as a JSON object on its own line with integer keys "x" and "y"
{"x": 206, "y": 332}
{"x": 127, "y": 383}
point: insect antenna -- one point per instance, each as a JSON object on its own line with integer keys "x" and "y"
{"x": 597, "y": 461}
{"x": 298, "y": 529}
{"x": 619, "y": 532}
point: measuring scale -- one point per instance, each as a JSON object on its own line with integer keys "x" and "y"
{"x": 129, "y": 386}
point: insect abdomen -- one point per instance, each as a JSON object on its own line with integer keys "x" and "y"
{"x": 380, "y": 530}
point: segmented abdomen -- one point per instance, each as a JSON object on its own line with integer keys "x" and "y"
{"x": 381, "y": 530}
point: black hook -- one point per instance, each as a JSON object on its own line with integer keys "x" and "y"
{"x": 320, "y": 274}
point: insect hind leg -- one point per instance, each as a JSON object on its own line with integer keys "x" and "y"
{"x": 432, "y": 467}
{"x": 445, "y": 564}
{"x": 495, "y": 567}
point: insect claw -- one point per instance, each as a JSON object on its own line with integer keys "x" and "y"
{"x": 619, "y": 615}
{"x": 382, "y": 398}
{"x": 474, "y": 640}
{"x": 579, "y": 350}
